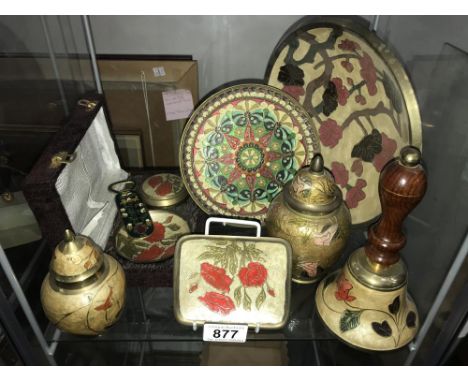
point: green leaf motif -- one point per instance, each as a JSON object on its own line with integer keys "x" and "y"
{"x": 260, "y": 299}
{"x": 238, "y": 295}
{"x": 233, "y": 264}
{"x": 247, "y": 301}
{"x": 173, "y": 227}
{"x": 350, "y": 320}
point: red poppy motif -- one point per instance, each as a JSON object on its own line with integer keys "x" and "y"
{"x": 343, "y": 93}
{"x": 150, "y": 254}
{"x": 357, "y": 167}
{"x": 355, "y": 194}
{"x": 389, "y": 147}
{"x": 347, "y": 65}
{"x": 368, "y": 73}
{"x": 216, "y": 277}
{"x": 360, "y": 99}
{"x": 164, "y": 189}
{"x": 310, "y": 268}
{"x": 340, "y": 173}
{"x": 158, "y": 233}
{"x": 342, "y": 293}
{"x": 217, "y": 302}
{"x": 169, "y": 251}
{"x": 349, "y": 45}
{"x": 254, "y": 275}
{"x": 107, "y": 303}
{"x": 155, "y": 181}
{"x": 294, "y": 90}
{"x": 330, "y": 133}
{"x": 161, "y": 187}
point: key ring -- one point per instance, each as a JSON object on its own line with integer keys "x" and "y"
{"x": 112, "y": 187}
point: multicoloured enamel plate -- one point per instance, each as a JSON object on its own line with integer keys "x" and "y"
{"x": 360, "y": 99}
{"x": 241, "y": 146}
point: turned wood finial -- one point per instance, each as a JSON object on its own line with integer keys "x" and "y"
{"x": 402, "y": 185}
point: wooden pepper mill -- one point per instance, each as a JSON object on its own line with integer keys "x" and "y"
{"x": 366, "y": 303}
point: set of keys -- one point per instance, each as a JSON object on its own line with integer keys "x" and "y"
{"x": 136, "y": 218}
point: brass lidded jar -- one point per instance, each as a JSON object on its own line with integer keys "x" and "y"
{"x": 84, "y": 291}
{"x": 311, "y": 215}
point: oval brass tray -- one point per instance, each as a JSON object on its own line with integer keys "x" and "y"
{"x": 359, "y": 97}
{"x": 241, "y": 146}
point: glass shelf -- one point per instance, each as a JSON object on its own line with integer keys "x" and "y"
{"x": 148, "y": 316}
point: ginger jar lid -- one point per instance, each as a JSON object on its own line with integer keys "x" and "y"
{"x": 76, "y": 258}
{"x": 313, "y": 189}
{"x": 163, "y": 190}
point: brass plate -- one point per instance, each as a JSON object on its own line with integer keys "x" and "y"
{"x": 158, "y": 246}
{"x": 232, "y": 279}
{"x": 241, "y": 146}
{"x": 360, "y": 99}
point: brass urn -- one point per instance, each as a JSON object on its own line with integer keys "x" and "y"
{"x": 84, "y": 291}
{"x": 366, "y": 303}
{"x": 311, "y": 215}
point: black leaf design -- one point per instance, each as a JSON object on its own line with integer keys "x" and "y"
{"x": 368, "y": 147}
{"x": 382, "y": 329}
{"x": 392, "y": 93}
{"x": 394, "y": 307}
{"x": 349, "y": 320}
{"x": 291, "y": 74}
{"x": 330, "y": 99}
{"x": 411, "y": 319}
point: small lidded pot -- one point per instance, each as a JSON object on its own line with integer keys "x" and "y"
{"x": 84, "y": 291}
{"x": 163, "y": 190}
{"x": 311, "y": 215}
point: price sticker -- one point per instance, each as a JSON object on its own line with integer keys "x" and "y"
{"x": 225, "y": 333}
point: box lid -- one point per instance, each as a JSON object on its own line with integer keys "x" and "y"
{"x": 67, "y": 186}
{"x": 232, "y": 279}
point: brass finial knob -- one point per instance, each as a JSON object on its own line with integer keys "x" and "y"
{"x": 317, "y": 163}
{"x": 69, "y": 235}
{"x": 410, "y": 156}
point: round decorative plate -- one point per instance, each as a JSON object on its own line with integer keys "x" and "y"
{"x": 359, "y": 97}
{"x": 158, "y": 246}
{"x": 241, "y": 146}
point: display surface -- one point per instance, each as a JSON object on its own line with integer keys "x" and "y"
{"x": 311, "y": 215}
{"x": 366, "y": 303}
{"x": 160, "y": 245}
{"x": 232, "y": 279}
{"x": 163, "y": 190}
{"x": 241, "y": 146}
{"x": 360, "y": 99}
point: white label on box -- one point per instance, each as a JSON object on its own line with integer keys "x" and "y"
{"x": 159, "y": 71}
{"x": 178, "y": 104}
{"x": 225, "y": 333}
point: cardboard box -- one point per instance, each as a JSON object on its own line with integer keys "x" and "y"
{"x": 133, "y": 88}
